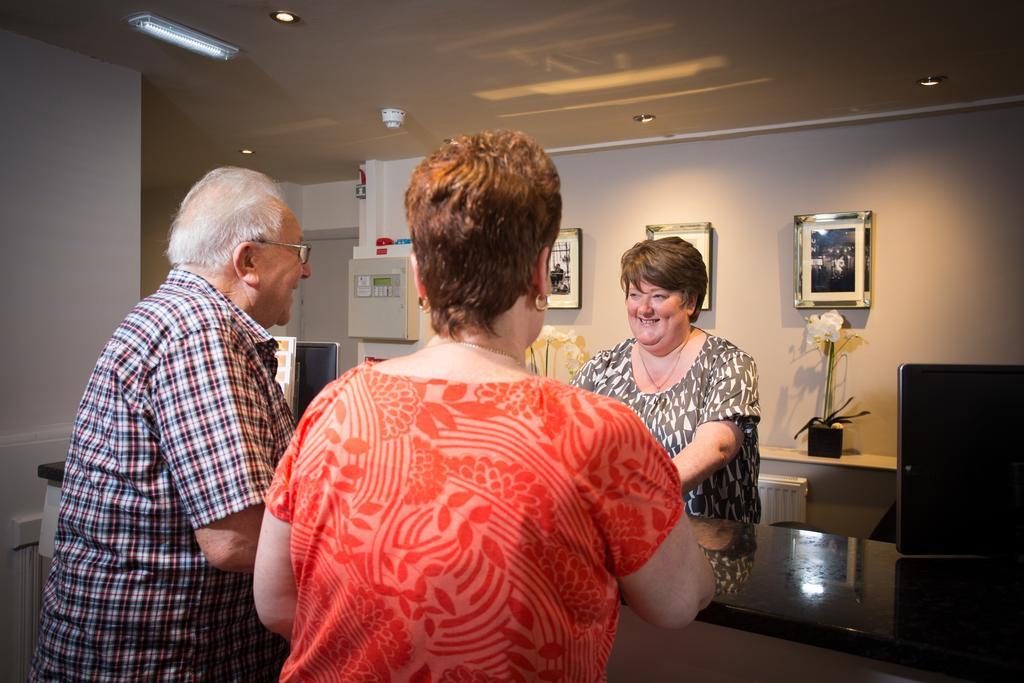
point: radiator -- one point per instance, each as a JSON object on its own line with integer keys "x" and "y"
{"x": 783, "y": 499}
{"x": 27, "y": 587}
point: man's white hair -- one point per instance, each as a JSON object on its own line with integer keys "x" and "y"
{"x": 227, "y": 207}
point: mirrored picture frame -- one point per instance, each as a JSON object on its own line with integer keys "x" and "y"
{"x": 564, "y": 265}
{"x": 697, "y": 234}
{"x": 832, "y": 260}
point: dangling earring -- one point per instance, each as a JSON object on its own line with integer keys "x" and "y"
{"x": 541, "y": 302}
{"x": 424, "y": 304}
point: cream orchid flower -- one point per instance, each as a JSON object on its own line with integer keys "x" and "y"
{"x": 546, "y": 347}
{"x": 825, "y": 331}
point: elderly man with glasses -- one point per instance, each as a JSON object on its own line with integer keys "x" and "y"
{"x": 176, "y": 439}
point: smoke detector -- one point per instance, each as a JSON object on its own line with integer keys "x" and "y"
{"x": 392, "y": 118}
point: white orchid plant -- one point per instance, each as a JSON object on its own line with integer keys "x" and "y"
{"x": 827, "y": 333}
{"x": 542, "y": 354}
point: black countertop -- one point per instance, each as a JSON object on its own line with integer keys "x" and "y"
{"x": 959, "y": 616}
{"x": 52, "y": 471}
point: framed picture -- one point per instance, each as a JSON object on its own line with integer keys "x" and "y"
{"x": 286, "y": 350}
{"x": 697, "y": 234}
{"x": 564, "y": 265}
{"x": 832, "y": 260}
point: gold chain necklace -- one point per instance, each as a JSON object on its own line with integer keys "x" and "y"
{"x": 658, "y": 385}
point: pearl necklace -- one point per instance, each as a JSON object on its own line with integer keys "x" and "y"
{"x": 658, "y": 385}
{"x": 488, "y": 349}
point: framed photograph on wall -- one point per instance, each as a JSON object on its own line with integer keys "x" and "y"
{"x": 697, "y": 234}
{"x": 832, "y": 260}
{"x": 564, "y": 264}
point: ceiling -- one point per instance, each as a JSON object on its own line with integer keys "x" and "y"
{"x": 307, "y": 97}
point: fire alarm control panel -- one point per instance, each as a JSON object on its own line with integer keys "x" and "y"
{"x": 382, "y": 299}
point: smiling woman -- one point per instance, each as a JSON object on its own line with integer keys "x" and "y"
{"x": 696, "y": 392}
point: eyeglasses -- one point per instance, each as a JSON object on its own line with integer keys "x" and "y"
{"x": 301, "y": 249}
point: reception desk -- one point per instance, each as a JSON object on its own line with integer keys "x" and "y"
{"x": 902, "y": 618}
{"x": 798, "y": 605}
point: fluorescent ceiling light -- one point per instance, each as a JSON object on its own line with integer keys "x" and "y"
{"x": 182, "y": 36}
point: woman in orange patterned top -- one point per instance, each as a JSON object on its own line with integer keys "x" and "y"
{"x": 445, "y": 516}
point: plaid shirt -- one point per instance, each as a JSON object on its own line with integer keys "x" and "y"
{"x": 181, "y": 424}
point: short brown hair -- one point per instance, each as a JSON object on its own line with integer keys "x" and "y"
{"x": 480, "y": 210}
{"x": 671, "y": 263}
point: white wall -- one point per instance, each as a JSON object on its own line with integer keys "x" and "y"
{"x": 159, "y": 206}
{"x": 329, "y": 206}
{"x": 945, "y": 191}
{"x": 69, "y": 185}
{"x": 384, "y": 210}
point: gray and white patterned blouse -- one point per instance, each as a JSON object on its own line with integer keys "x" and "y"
{"x": 721, "y": 385}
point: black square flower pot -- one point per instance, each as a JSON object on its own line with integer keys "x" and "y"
{"x": 824, "y": 442}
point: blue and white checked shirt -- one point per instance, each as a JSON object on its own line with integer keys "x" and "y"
{"x": 181, "y": 424}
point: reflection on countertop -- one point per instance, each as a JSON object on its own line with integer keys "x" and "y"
{"x": 960, "y": 616}
{"x": 730, "y": 550}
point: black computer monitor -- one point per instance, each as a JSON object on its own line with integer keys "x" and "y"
{"x": 956, "y": 450}
{"x": 316, "y": 365}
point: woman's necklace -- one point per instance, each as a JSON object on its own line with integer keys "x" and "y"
{"x": 679, "y": 354}
{"x": 499, "y": 352}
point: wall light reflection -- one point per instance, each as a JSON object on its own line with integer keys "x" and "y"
{"x": 635, "y": 100}
{"x": 618, "y": 79}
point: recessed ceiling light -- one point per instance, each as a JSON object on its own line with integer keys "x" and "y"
{"x": 182, "y": 36}
{"x": 930, "y": 80}
{"x": 285, "y": 17}
{"x": 644, "y": 118}
{"x": 246, "y": 151}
